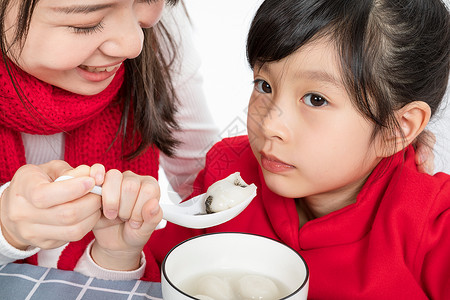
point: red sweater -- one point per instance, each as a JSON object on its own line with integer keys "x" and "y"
{"x": 393, "y": 243}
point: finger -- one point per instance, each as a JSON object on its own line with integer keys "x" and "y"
{"x": 70, "y": 213}
{"x": 149, "y": 191}
{"x": 111, "y": 191}
{"x": 55, "y": 168}
{"x": 130, "y": 190}
{"x": 152, "y": 215}
{"x": 103, "y": 222}
{"x": 48, "y": 234}
{"x": 45, "y": 195}
{"x": 80, "y": 171}
{"x": 77, "y": 231}
{"x": 98, "y": 172}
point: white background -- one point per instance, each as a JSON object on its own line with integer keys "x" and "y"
{"x": 220, "y": 29}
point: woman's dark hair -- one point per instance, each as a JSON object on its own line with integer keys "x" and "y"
{"x": 147, "y": 82}
{"x": 392, "y": 52}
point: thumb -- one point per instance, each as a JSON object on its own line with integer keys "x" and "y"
{"x": 152, "y": 215}
{"x": 103, "y": 222}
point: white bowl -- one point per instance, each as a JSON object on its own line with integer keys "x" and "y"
{"x": 225, "y": 253}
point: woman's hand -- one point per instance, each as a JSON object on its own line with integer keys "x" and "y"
{"x": 36, "y": 211}
{"x": 131, "y": 212}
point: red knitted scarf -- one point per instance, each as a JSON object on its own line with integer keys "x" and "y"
{"x": 90, "y": 124}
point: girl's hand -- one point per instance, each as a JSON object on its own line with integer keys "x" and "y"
{"x": 35, "y": 211}
{"x": 424, "y": 152}
{"x": 131, "y": 213}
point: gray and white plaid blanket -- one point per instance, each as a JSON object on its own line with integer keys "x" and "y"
{"x": 23, "y": 281}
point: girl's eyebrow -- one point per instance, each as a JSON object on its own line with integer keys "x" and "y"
{"x": 81, "y": 9}
{"x": 310, "y": 74}
{"x": 321, "y": 76}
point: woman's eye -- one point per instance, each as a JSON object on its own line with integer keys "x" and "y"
{"x": 262, "y": 86}
{"x": 315, "y": 100}
{"x": 88, "y": 29}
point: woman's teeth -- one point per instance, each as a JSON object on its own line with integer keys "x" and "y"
{"x": 99, "y": 69}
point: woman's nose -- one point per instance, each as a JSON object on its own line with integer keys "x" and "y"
{"x": 127, "y": 38}
{"x": 126, "y": 41}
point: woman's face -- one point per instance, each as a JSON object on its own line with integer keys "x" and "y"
{"x": 303, "y": 129}
{"x": 78, "y": 45}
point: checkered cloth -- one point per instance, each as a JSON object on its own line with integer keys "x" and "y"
{"x": 23, "y": 281}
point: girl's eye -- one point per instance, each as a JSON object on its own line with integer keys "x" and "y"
{"x": 262, "y": 86}
{"x": 315, "y": 100}
{"x": 89, "y": 29}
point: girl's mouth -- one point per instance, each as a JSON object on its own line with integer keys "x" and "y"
{"x": 274, "y": 165}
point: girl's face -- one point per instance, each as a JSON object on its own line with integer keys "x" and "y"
{"x": 304, "y": 131}
{"x": 78, "y": 45}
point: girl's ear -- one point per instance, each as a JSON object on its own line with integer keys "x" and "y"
{"x": 412, "y": 118}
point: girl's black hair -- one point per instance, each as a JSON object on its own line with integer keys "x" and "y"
{"x": 392, "y": 52}
{"x": 147, "y": 81}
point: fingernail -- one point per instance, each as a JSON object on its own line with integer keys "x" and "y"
{"x": 99, "y": 178}
{"x": 89, "y": 183}
{"x": 155, "y": 210}
{"x": 110, "y": 214}
{"x": 135, "y": 224}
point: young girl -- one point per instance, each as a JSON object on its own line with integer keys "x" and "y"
{"x": 90, "y": 83}
{"x": 76, "y": 80}
{"x": 341, "y": 90}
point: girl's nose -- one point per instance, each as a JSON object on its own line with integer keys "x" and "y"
{"x": 274, "y": 126}
{"x": 273, "y": 122}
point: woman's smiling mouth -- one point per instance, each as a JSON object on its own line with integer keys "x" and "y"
{"x": 100, "y": 69}
{"x": 98, "y": 74}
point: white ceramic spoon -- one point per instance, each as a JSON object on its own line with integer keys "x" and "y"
{"x": 191, "y": 213}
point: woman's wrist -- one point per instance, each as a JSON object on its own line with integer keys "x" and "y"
{"x": 8, "y": 238}
{"x": 9, "y": 253}
{"x": 115, "y": 260}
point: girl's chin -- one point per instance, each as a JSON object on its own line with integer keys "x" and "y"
{"x": 283, "y": 190}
